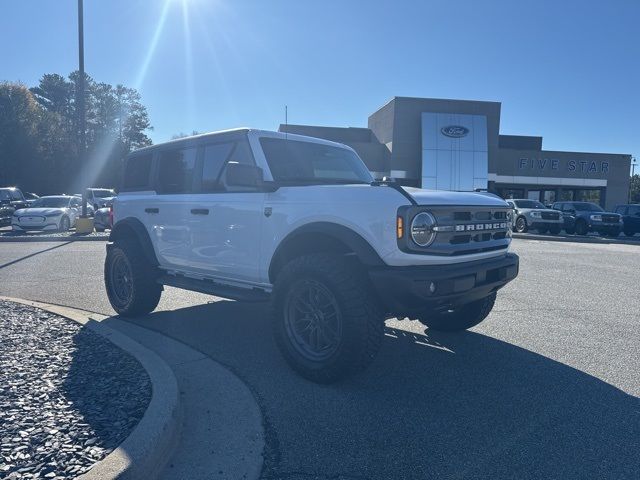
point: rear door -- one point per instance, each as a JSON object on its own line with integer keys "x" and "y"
{"x": 225, "y": 222}
{"x": 168, "y": 212}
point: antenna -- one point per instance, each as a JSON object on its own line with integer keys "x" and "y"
{"x": 286, "y": 121}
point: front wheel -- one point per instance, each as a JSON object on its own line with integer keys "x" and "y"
{"x": 629, "y": 233}
{"x": 462, "y": 318}
{"x": 521, "y": 225}
{"x": 65, "y": 224}
{"x": 614, "y": 232}
{"x": 555, "y": 230}
{"x": 325, "y": 320}
{"x": 130, "y": 280}
{"x": 582, "y": 228}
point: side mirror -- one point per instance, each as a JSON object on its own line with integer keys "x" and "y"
{"x": 241, "y": 175}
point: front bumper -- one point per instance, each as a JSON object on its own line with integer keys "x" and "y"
{"x": 405, "y": 291}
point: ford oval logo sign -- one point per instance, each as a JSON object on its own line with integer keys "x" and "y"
{"x": 454, "y": 131}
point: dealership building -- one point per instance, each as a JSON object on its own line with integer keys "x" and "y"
{"x": 456, "y": 145}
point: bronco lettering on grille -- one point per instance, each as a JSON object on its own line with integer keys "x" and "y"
{"x": 478, "y": 227}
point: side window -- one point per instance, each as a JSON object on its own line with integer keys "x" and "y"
{"x": 15, "y": 195}
{"x": 136, "y": 172}
{"x": 511, "y": 204}
{"x": 634, "y": 211}
{"x": 621, "y": 210}
{"x": 215, "y": 156}
{"x": 567, "y": 207}
{"x": 75, "y": 202}
{"x": 4, "y": 195}
{"x": 175, "y": 170}
{"x": 241, "y": 154}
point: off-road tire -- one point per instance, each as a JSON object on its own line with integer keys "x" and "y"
{"x": 65, "y": 224}
{"x": 555, "y": 230}
{"x": 521, "y": 225}
{"x": 143, "y": 292}
{"x": 465, "y": 317}
{"x": 613, "y": 233}
{"x": 629, "y": 233}
{"x": 581, "y": 228}
{"x": 362, "y": 322}
{"x": 542, "y": 231}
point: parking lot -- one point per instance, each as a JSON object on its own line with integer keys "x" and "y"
{"x": 546, "y": 387}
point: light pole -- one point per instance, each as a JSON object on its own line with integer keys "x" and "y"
{"x": 81, "y": 107}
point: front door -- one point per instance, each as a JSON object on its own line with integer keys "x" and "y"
{"x": 225, "y": 221}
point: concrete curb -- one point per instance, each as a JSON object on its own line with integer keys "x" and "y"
{"x": 144, "y": 453}
{"x": 574, "y": 239}
{"x": 53, "y": 239}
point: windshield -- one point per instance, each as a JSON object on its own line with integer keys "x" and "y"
{"x": 103, "y": 193}
{"x": 587, "y": 207}
{"x": 529, "y": 204}
{"x": 296, "y": 162}
{"x": 51, "y": 202}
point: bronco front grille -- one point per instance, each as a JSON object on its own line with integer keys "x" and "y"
{"x": 610, "y": 218}
{"x": 461, "y": 230}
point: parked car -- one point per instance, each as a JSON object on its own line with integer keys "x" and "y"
{"x": 56, "y": 212}
{"x": 30, "y": 197}
{"x": 100, "y": 197}
{"x": 630, "y": 218}
{"x": 584, "y": 217}
{"x": 102, "y": 219}
{"x": 11, "y": 199}
{"x": 531, "y": 214}
{"x": 301, "y": 222}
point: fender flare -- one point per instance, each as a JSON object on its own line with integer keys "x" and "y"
{"x": 131, "y": 226}
{"x": 351, "y": 239}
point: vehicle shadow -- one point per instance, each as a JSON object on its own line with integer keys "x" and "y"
{"x": 461, "y": 405}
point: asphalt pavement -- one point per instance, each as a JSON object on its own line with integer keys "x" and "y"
{"x": 546, "y": 387}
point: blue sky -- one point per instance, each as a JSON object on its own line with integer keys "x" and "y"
{"x": 566, "y": 70}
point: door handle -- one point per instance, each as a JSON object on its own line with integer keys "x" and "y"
{"x": 200, "y": 211}
{"x": 152, "y": 210}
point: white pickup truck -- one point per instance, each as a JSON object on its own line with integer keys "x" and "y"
{"x": 299, "y": 222}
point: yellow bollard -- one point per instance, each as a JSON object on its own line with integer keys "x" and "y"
{"x": 84, "y": 225}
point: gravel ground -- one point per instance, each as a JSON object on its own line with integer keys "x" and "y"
{"x": 68, "y": 397}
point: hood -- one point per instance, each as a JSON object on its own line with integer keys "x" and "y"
{"x": 39, "y": 211}
{"x": 442, "y": 197}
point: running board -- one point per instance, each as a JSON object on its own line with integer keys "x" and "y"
{"x": 210, "y": 287}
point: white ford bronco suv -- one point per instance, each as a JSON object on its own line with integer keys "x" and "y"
{"x": 299, "y": 222}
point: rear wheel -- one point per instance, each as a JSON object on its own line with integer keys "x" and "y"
{"x": 130, "y": 280}
{"x": 581, "y": 227}
{"x": 325, "y": 320}
{"x": 462, "y": 318}
{"x": 521, "y": 225}
{"x": 629, "y": 233}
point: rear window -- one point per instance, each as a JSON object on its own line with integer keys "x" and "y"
{"x": 175, "y": 170}
{"x": 137, "y": 172}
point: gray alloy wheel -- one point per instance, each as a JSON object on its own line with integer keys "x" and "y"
{"x": 521, "y": 225}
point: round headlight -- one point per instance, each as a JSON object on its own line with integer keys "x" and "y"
{"x": 422, "y": 232}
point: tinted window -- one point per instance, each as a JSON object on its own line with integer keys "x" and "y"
{"x": 51, "y": 202}
{"x": 634, "y": 210}
{"x": 214, "y": 158}
{"x": 76, "y": 202}
{"x": 587, "y": 207}
{"x": 136, "y": 172}
{"x": 175, "y": 170}
{"x": 241, "y": 153}
{"x": 529, "y": 204}
{"x": 294, "y": 162}
{"x": 621, "y": 210}
{"x": 4, "y": 195}
{"x": 15, "y": 195}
